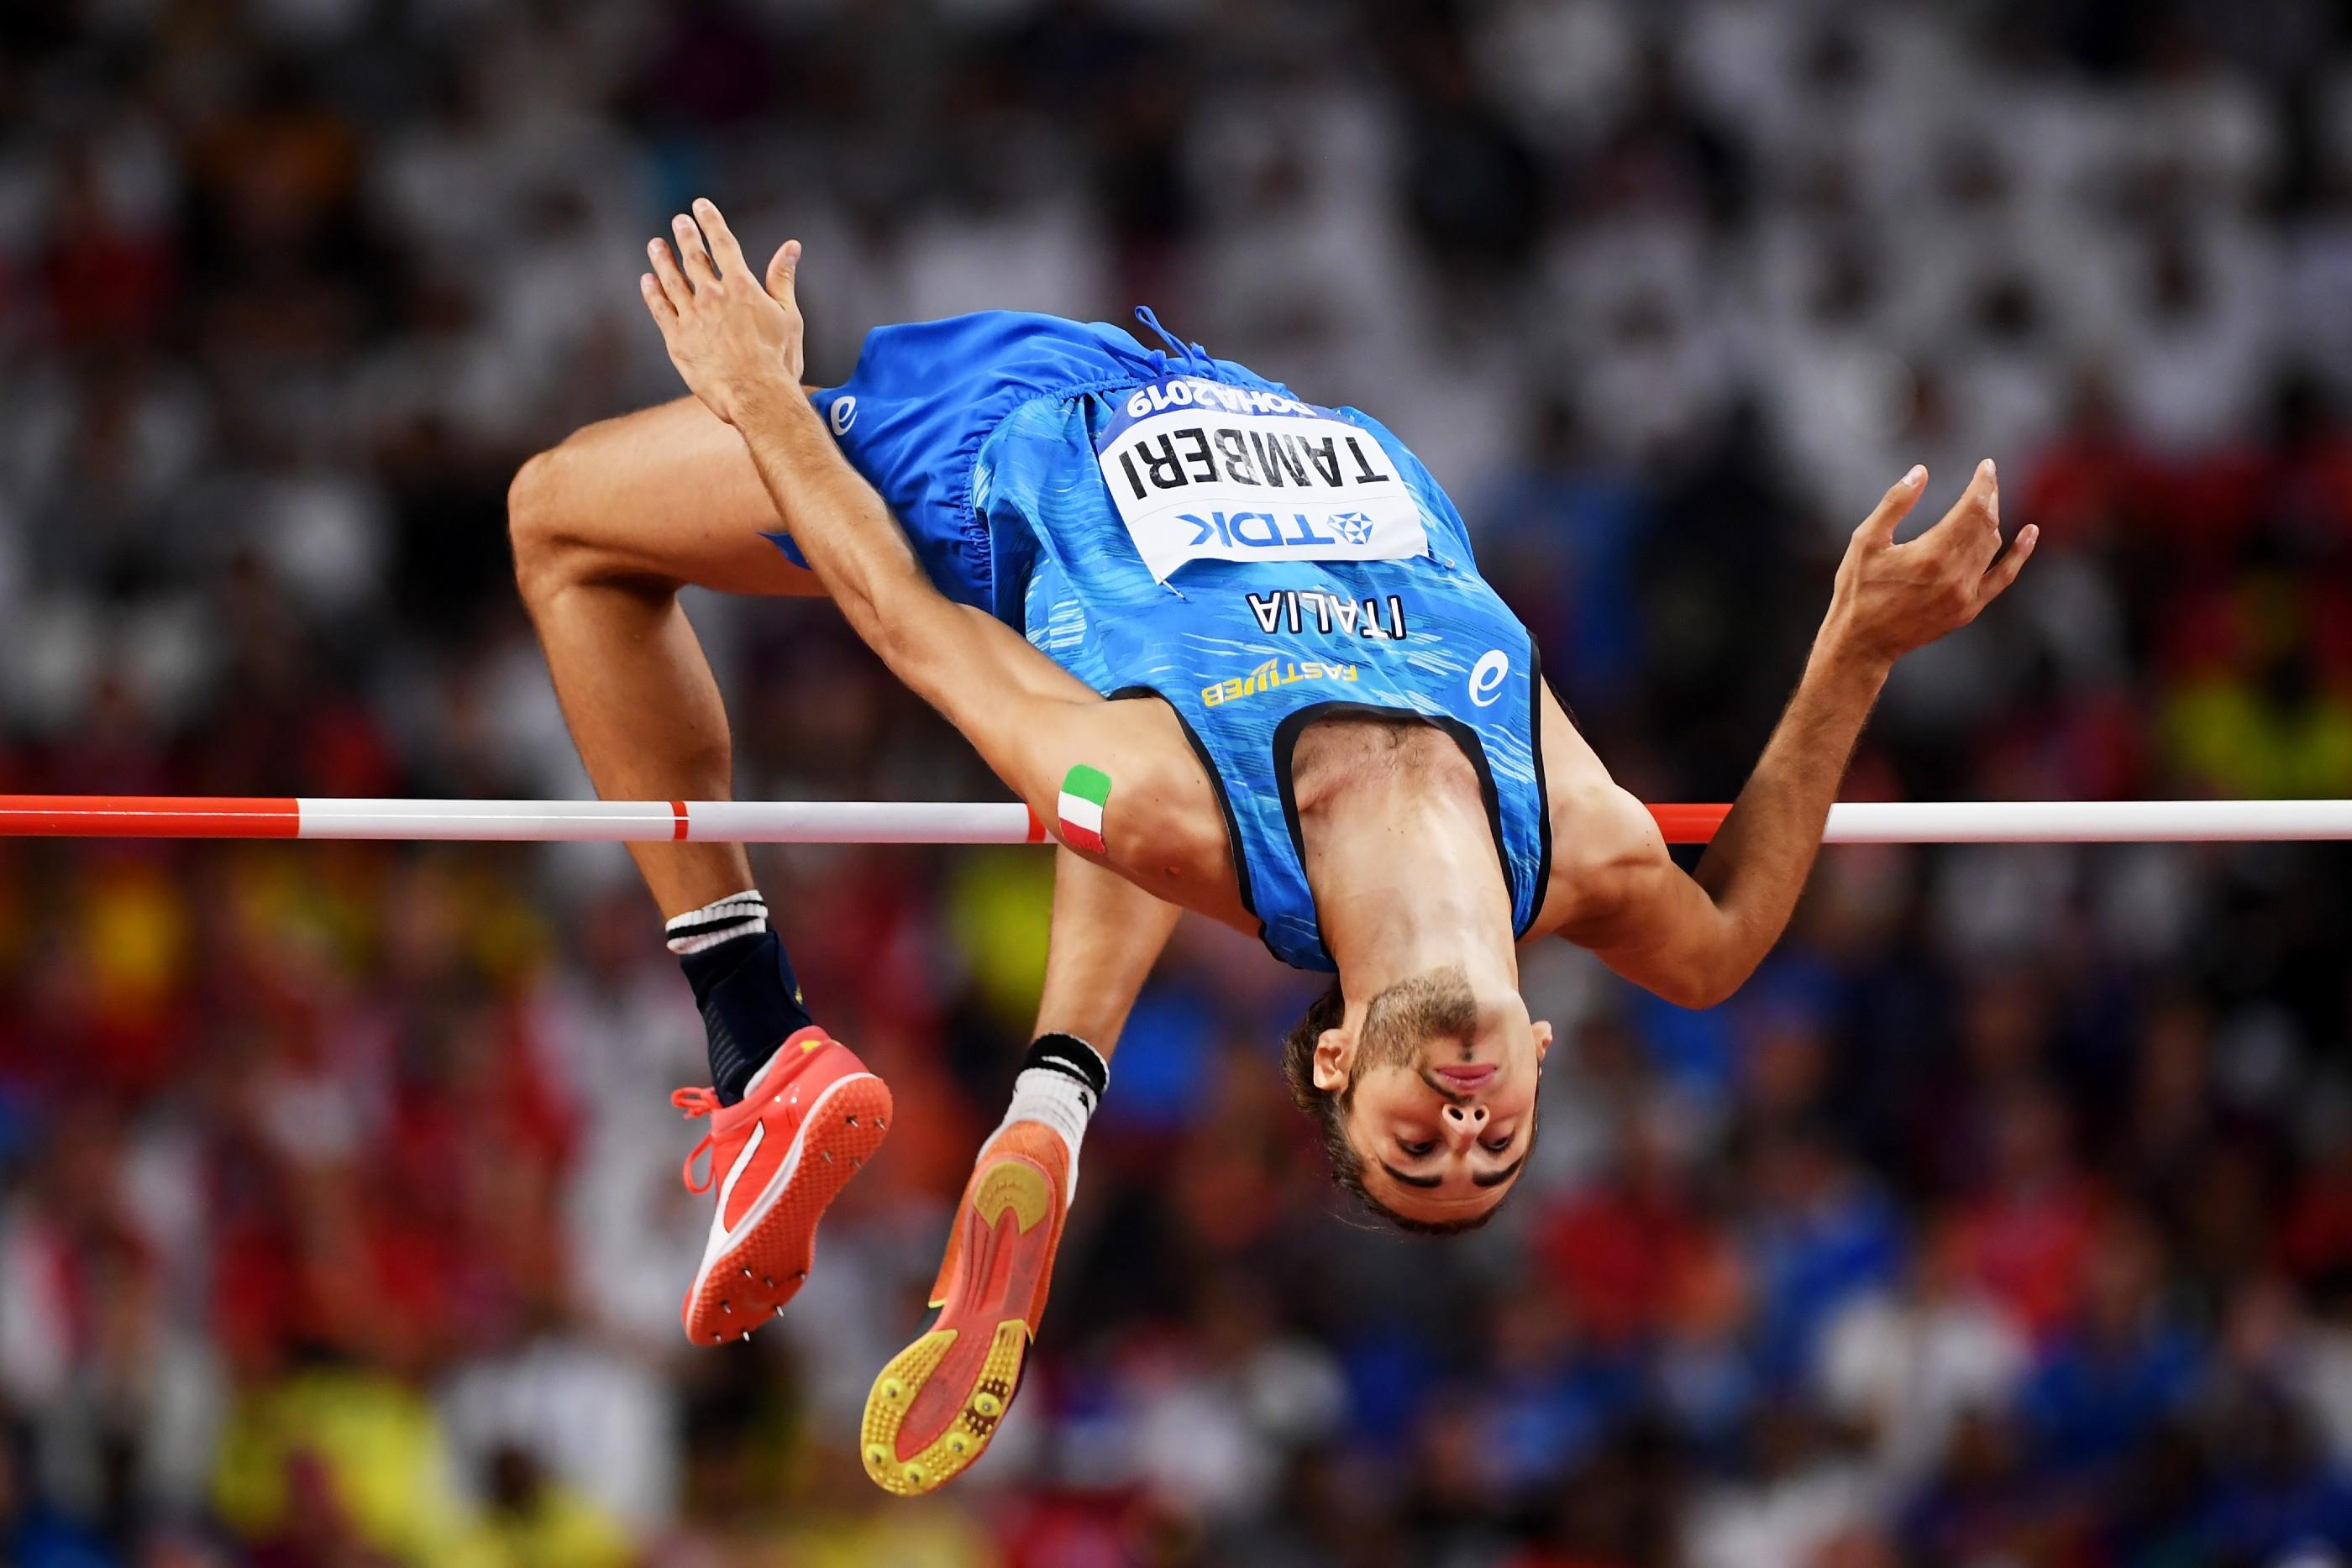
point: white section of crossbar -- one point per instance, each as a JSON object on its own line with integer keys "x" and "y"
{"x": 658, "y": 821}
{"x": 2086, "y": 821}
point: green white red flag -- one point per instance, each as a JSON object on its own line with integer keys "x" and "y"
{"x": 1085, "y": 793}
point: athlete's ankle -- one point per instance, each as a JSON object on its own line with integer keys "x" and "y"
{"x": 1061, "y": 1080}
{"x": 1072, "y": 1058}
{"x": 742, "y": 983}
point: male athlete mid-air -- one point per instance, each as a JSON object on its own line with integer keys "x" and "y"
{"x": 1235, "y": 647}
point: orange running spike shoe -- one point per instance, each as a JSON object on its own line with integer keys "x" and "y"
{"x": 807, "y": 1121}
{"x": 935, "y": 1407}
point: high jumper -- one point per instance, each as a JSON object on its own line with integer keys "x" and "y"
{"x": 1235, "y": 647}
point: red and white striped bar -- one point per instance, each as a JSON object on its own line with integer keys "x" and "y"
{"x": 981, "y": 823}
{"x": 518, "y": 821}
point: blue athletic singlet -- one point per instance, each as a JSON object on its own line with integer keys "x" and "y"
{"x": 1177, "y": 526}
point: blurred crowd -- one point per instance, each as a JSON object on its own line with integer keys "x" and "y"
{"x": 2005, "y": 1219}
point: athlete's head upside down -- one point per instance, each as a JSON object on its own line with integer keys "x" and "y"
{"x": 1425, "y": 1098}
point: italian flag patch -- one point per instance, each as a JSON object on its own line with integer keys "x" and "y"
{"x": 1084, "y": 791}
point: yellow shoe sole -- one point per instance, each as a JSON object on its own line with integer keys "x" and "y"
{"x": 1007, "y": 1231}
{"x": 951, "y": 1453}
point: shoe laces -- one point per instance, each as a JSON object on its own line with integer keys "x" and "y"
{"x": 696, "y": 1103}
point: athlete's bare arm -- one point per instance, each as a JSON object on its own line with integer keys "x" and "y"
{"x": 738, "y": 346}
{"x": 1694, "y": 939}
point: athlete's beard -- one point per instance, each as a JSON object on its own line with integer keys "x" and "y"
{"x": 1400, "y": 1021}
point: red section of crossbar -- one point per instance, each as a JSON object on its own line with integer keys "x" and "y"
{"x": 1689, "y": 824}
{"x": 150, "y": 817}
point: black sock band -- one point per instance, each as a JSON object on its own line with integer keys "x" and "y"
{"x": 749, "y": 1003}
{"x": 1069, "y": 1055}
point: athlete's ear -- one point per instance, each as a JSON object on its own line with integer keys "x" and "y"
{"x": 1335, "y": 1052}
{"x": 1543, "y": 1040}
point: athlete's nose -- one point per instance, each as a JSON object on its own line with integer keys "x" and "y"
{"x": 1463, "y": 1122}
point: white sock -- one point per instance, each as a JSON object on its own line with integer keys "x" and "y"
{"x": 1061, "y": 1082}
{"x": 721, "y": 920}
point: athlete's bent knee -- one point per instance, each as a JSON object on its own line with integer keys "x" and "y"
{"x": 533, "y": 511}
{"x": 543, "y": 529}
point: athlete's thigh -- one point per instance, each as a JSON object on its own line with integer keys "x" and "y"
{"x": 669, "y": 492}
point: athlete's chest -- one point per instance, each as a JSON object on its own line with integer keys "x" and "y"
{"x": 1356, "y": 752}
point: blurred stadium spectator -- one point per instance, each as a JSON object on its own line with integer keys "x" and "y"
{"x": 2005, "y": 1218}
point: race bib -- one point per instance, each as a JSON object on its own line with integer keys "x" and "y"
{"x": 1202, "y": 471}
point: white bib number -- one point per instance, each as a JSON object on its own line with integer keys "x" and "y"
{"x": 1195, "y": 480}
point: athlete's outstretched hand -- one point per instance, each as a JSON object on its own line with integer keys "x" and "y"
{"x": 1892, "y": 598}
{"x": 731, "y": 338}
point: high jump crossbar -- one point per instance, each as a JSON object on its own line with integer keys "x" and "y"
{"x": 983, "y": 823}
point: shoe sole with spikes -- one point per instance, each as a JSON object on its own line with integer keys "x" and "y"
{"x": 752, "y": 1270}
{"x": 935, "y": 1407}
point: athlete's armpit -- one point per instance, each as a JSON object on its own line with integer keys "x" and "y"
{"x": 1614, "y": 887}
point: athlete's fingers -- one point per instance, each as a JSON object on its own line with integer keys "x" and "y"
{"x": 1994, "y": 583}
{"x": 693, "y": 255}
{"x": 1960, "y": 534}
{"x": 1893, "y": 507}
{"x": 673, "y": 282}
{"x": 1975, "y": 519}
{"x": 723, "y": 248}
{"x": 663, "y": 313}
{"x": 782, "y": 268}
{"x": 1980, "y": 502}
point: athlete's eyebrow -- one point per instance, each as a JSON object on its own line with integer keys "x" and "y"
{"x": 1496, "y": 1179}
{"x": 1411, "y": 1180}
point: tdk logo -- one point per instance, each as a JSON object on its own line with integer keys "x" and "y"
{"x": 1262, "y": 530}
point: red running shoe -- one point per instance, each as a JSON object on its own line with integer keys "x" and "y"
{"x": 935, "y": 1407}
{"x": 807, "y": 1121}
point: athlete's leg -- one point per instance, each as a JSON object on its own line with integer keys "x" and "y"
{"x": 606, "y": 527}
{"x": 1107, "y": 935}
{"x": 935, "y": 1407}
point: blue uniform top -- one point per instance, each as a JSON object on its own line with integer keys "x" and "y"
{"x": 1177, "y": 526}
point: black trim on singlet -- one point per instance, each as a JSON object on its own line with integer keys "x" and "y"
{"x": 1217, "y": 783}
{"x": 1543, "y": 790}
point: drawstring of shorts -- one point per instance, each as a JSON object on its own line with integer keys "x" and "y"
{"x": 1178, "y": 349}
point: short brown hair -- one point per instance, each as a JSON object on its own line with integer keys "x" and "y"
{"x": 1330, "y": 1110}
